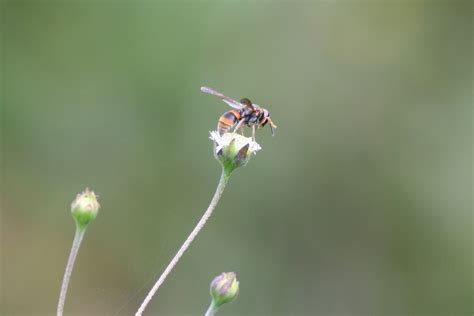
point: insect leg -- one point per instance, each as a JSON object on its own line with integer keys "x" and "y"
{"x": 239, "y": 125}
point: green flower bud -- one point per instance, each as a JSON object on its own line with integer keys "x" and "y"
{"x": 224, "y": 289}
{"x": 233, "y": 150}
{"x": 84, "y": 208}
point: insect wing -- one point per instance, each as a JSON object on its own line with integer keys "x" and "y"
{"x": 231, "y": 102}
{"x": 211, "y": 91}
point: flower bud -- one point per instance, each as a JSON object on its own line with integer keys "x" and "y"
{"x": 224, "y": 289}
{"x": 233, "y": 150}
{"x": 84, "y": 208}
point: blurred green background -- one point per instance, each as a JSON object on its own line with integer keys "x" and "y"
{"x": 361, "y": 204}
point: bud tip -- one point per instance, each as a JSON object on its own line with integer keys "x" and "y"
{"x": 85, "y": 207}
{"x": 224, "y": 288}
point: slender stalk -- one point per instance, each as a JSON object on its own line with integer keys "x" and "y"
{"x": 215, "y": 199}
{"x": 70, "y": 265}
{"x": 212, "y": 310}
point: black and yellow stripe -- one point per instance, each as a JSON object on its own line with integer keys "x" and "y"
{"x": 227, "y": 121}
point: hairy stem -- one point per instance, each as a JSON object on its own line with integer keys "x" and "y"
{"x": 212, "y": 310}
{"x": 215, "y": 199}
{"x": 70, "y": 265}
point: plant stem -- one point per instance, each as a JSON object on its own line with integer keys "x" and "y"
{"x": 215, "y": 199}
{"x": 212, "y": 310}
{"x": 70, "y": 264}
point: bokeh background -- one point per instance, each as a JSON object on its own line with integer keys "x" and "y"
{"x": 361, "y": 204}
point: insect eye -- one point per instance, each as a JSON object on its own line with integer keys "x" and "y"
{"x": 246, "y": 101}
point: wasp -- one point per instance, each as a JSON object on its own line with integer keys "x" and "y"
{"x": 243, "y": 113}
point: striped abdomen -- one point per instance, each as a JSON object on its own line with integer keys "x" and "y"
{"x": 227, "y": 121}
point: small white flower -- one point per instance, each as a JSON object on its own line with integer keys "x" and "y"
{"x": 239, "y": 141}
{"x": 233, "y": 150}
